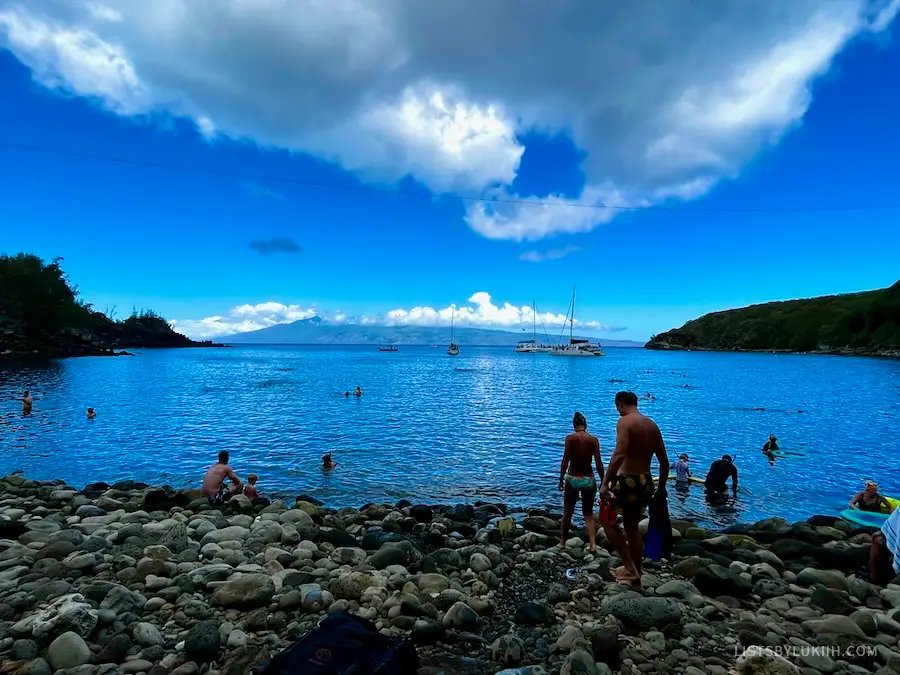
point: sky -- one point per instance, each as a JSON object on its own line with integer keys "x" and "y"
{"x": 233, "y": 164}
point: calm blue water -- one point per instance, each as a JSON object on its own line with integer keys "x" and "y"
{"x": 488, "y": 424}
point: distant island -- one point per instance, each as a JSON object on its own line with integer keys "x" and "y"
{"x": 42, "y": 317}
{"x": 864, "y": 324}
{"x": 315, "y": 331}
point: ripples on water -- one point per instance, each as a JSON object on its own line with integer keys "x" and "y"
{"x": 487, "y": 424}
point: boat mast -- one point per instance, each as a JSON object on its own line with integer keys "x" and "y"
{"x": 572, "y": 319}
{"x": 533, "y": 322}
{"x": 452, "y": 313}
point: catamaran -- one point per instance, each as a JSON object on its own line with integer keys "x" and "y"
{"x": 453, "y": 349}
{"x": 531, "y": 346}
{"x": 576, "y": 347}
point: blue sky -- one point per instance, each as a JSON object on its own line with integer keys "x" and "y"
{"x": 808, "y": 138}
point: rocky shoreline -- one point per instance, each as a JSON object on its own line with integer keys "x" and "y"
{"x": 664, "y": 346}
{"x": 130, "y": 579}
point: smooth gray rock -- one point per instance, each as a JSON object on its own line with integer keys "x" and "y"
{"x": 69, "y": 650}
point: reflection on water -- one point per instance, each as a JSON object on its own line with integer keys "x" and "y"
{"x": 487, "y": 424}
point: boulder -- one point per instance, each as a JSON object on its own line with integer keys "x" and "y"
{"x": 756, "y": 661}
{"x": 643, "y": 613}
{"x": 828, "y": 578}
{"x": 203, "y": 642}
{"x": 245, "y": 592}
{"x": 461, "y": 617}
{"x": 67, "y": 613}
{"x": 508, "y": 650}
{"x": 69, "y": 650}
{"x": 534, "y": 614}
{"x": 146, "y": 634}
{"x": 716, "y": 580}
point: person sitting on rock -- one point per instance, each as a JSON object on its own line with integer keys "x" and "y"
{"x": 214, "y": 481}
{"x": 576, "y": 478}
{"x": 629, "y": 483}
{"x": 870, "y": 500}
{"x": 250, "y": 491}
{"x": 884, "y": 553}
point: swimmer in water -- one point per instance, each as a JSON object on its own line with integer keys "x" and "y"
{"x": 327, "y": 462}
{"x": 870, "y": 500}
{"x": 346, "y": 393}
{"x": 250, "y": 491}
{"x": 91, "y": 414}
{"x": 27, "y": 402}
{"x": 358, "y": 392}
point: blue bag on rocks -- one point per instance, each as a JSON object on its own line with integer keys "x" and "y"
{"x": 345, "y": 644}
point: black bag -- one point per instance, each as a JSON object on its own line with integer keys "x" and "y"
{"x": 658, "y": 541}
{"x": 345, "y": 644}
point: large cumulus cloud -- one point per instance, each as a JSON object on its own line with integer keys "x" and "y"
{"x": 665, "y": 98}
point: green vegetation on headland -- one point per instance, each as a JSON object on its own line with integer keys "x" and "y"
{"x": 865, "y": 324}
{"x": 42, "y": 317}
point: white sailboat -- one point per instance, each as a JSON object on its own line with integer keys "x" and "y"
{"x": 576, "y": 347}
{"x": 531, "y": 346}
{"x": 453, "y": 349}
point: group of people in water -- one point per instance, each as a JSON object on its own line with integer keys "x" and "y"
{"x": 27, "y": 402}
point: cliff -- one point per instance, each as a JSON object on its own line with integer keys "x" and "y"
{"x": 42, "y": 317}
{"x": 857, "y": 323}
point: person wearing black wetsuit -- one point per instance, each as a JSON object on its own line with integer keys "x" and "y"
{"x": 719, "y": 472}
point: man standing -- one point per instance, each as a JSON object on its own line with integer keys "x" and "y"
{"x": 719, "y": 472}
{"x": 629, "y": 481}
{"x": 214, "y": 481}
{"x": 27, "y": 402}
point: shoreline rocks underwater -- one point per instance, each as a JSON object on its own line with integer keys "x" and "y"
{"x": 131, "y": 579}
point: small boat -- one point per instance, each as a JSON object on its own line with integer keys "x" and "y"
{"x": 389, "y": 348}
{"x": 453, "y": 349}
{"x": 531, "y": 346}
{"x": 576, "y": 346}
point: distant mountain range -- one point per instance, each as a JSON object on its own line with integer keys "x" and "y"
{"x": 314, "y": 331}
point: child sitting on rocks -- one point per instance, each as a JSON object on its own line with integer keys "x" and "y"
{"x": 250, "y": 491}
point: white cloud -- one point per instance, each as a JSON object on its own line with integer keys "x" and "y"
{"x": 242, "y": 319}
{"x": 480, "y": 312}
{"x": 552, "y": 254}
{"x": 664, "y": 98}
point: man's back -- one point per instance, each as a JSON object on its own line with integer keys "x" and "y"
{"x": 644, "y": 439}
{"x": 719, "y": 472}
{"x": 214, "y": 478}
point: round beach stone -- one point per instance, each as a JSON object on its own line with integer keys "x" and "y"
{"x": 69, "y": 650}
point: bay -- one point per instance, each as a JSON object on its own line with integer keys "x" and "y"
{"x": 488, "y": 424}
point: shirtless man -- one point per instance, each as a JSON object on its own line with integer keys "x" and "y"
{"x": 214, "y": 481}
{"x": 629, "y": 480}
{"x": 27, "y": 402}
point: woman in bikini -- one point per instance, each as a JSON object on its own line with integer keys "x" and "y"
{"x": 576, "y": 478}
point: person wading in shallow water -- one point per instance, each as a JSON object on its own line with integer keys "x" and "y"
{"x": 629, "y": 482}
{"x": 576, "y": 478}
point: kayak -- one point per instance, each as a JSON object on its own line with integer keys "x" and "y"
{"x": 869, "y": 518}
{"x": 865, "y": 518}
{"x": 696, "y": 480}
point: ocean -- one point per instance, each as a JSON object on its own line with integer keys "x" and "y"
{"x": 485, "y": 425}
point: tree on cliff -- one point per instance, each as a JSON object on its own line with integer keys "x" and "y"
{"x": 36, "y": 299}
{"x": 40, "y": 314}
